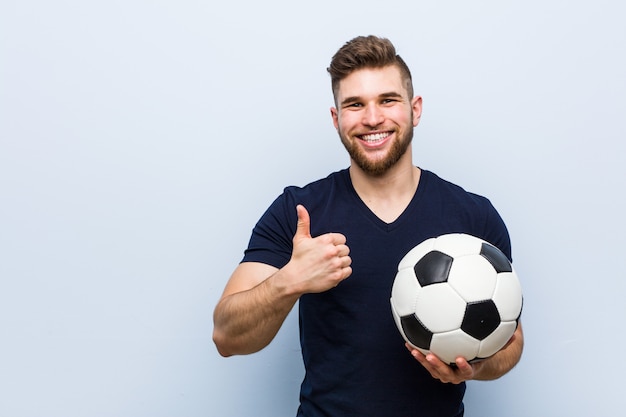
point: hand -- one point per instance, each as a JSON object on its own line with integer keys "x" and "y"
{"x": 317, "y": 263}
{"x": 463, "y": 371}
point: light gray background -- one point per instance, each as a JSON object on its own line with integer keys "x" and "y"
{"x": 141, "y": 140}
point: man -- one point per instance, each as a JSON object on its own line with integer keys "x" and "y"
{"x": 334, "y": 246}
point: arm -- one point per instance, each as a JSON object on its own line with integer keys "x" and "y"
{"x": 488, "y": 369}
{"x": 503, "y": 361}
{"x": 251, "y": 310}
{"x": 258, "y": 297}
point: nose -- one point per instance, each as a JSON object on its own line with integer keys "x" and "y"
{"x": 373, "y": 116}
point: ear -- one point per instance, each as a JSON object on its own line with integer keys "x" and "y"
{"x": 335, "y": 115}
{"x": 416, "y": 106}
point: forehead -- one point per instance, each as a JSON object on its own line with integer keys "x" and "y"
{"x": 372, "y": 82}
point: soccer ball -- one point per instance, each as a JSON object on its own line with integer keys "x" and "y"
{"x": 456, "y": 295}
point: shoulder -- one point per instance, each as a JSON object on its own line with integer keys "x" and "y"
{"x": 314, "y": 196}
{"x": 271, "y": 240}
{"x": 450, "y": 191}
{"x": 472, "y": 213}
{"x": 309, "y": 195}
{"x": 333, "y": 181}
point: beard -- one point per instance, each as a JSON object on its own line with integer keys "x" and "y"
{"x": 378, "y": 167}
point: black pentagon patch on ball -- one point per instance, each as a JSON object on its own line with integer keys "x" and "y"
{"x": 496, "y": 258}
{"x": 415, "y": 331}
{"x": 481, "y": 319}
{"x": 433, "y": 268}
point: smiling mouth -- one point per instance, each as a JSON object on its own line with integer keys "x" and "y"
{"x": 375, "y": 137}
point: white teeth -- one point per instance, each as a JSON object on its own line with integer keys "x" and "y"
{"x": 374, "y": 137}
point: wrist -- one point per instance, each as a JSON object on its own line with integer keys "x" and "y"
{"x": 283, "y": 284}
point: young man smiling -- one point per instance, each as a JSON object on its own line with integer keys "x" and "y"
{"x": 334, "y": 246}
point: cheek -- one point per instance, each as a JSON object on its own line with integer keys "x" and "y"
{"x": 344, "y": 123}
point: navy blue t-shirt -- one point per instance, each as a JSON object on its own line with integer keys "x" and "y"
{"x": 355, "y": 359}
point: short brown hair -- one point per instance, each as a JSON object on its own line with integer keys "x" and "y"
{"x": 366, "y": 52}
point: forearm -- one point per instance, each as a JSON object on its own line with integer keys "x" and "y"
{"x": 247, "y": 321}
{"x": 503, "y": 361}
{"x": 258, "y": 297}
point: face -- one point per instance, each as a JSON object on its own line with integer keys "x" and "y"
{"x": 375, "y": 118}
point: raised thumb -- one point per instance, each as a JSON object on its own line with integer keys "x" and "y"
{"x": 303, "y": 229}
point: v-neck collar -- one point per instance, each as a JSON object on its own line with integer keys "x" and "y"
{"x": 369, "y": 214}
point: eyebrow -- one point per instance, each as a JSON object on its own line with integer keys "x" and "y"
{"x": 352, "y": 99}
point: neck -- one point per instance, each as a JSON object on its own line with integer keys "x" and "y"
{"x": 387, "y": 195}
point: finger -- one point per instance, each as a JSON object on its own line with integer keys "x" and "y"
{"x": 342, "y": 250}
{"x": 464, "y": 367}
{"x": 347, "y": 271}
{"x": 421, "y": 358}
{"x": 337, "y": 239}
{"x": 303, "y": 228}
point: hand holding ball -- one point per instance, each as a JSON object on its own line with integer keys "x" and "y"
{"x": 456, "y": 295}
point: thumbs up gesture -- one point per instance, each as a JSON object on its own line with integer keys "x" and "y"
{"x": 317, "y": 263}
